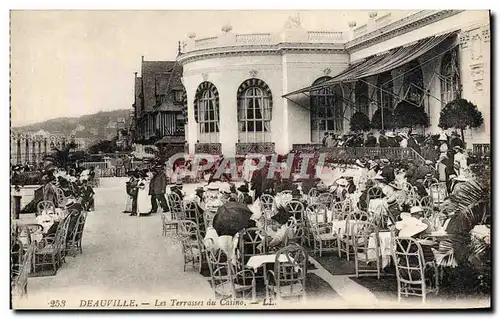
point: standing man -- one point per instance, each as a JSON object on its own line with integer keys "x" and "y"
{"x": 157, "y": 188}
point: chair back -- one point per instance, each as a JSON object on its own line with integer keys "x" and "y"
{"x": 313, "y": 195}
{"x": 266, "y": 203}
{"x": 338, "y": 210}
{"x": 426, "y": 201}
{"x": 20, "y": 285}
{"x": 296, "y": 208}
{"x": 25, "y": 232}
{"x": 326, "y": 199}
{"x": 220, "y": 272}
{"x": 316, "y": 214}
{"x": 438, "y": 192}
{"x": 251, "y": 243}
{"x": 62, "y": 233}
{"x": 290, "y": 269}
{"x": 191, "y": 211}
{"x": 61, "y": 198}
{"x": 77, "y": 231}
{"x": 361, "y": 233}
{"x": 374, "y": 193}
{"x": 176, "y": 208}
{"x": 45, "y": 206}
{"x": 409, "y": 261}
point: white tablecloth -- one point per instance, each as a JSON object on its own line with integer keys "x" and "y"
{"x": 255, "y": 262}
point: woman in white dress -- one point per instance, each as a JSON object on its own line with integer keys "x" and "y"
{"x": 143, "y": 201}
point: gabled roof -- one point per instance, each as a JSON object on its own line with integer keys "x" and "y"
{"x": 158, "y": 77}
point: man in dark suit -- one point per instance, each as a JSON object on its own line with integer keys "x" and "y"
{"x": 157, "y": 188}
{"x": 371, "y": 141}
{"x": 382, "y": 139}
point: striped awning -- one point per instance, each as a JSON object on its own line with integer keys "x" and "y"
{"x": 380, "y": 63}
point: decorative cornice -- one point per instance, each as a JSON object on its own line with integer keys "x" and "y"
{"x": 250, "y": 50}
{"x": 399, "y": 27}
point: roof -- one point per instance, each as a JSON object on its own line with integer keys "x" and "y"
{"x": 158, "y": 77}
{"x": 172, "y": 139}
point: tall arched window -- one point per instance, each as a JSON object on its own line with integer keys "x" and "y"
{"x": 327, "y": 110}
{"x": 384, "y": 90}
{"x": 254, "y": 111}
{"x": 413, "y": 83}
{"x": 361, "y": 96}
{"x": 450, "y": 77}
{"x": 206, "y": 112}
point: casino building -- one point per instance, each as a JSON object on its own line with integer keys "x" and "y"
{"x": 271, "y": 92}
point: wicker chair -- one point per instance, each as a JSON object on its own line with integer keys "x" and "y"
{"x": 193, "y": 213}
{"x": 326, "y": 199}
{"x": 20, "y": 280}
{"x": 266, "y": 205}
{"x": 361, "y": 233}
{"x": 61, "y": 198}
{"x": 296, "y": 209}
{"x": 321, "y": 229}
{"x": 312, "y": 196}
{"x": 45, "y": 205}
{"x": 426, "y": 201}
{"x": 74, "y": 240}
{"x": 169, "y": 219}
{"x": 251, "y": 243}
{"x": 346, "y": 241}
{"x": 52, "y": 251}
{"x": 225, "y": 281}
{"x": 192, "y": 246}
{"x": 411, "y": 269}
{"x": 288, "y": 279}
{"x": 438, "y": 192}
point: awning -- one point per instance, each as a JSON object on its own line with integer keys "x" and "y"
{"x": 377, "y": 64}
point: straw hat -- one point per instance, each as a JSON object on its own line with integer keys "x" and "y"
{"x": 342, "y": 182}
{"x": 360, "y": 163}
{"x": 416, "y": 210}
{"x": 390, "y": 134}
{"x": 385, "y": 161}
{"x": 410, "y": 226}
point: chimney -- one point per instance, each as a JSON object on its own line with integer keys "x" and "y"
{"x": 179, "y": 49}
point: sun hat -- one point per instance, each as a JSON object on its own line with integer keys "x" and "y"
{"x": 416, "y": 210}
{"x": 385, "y": 161}
{"x": 342, "y": 182}
{"x": 361, "y": 163}
{"x": 390, "y": 134}
{"x": 372, "y": 165}
{"x": 410, "y": 226}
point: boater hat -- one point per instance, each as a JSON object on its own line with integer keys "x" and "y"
{"x": 410, "y": 226}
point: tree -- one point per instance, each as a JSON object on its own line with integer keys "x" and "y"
{"x": 388, "y": 119}
{"x": 360, "y": 122}
{"x": 61, "y": 157}
{"x": 409, "y": 115}
{"x": 104, "y": 146}
{"x": 460, "y": 114}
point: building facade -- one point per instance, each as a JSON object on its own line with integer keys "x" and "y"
{"x": 263, "y": 92}
{"x": 32, "y": 147}
{"x": 158, "y": 105}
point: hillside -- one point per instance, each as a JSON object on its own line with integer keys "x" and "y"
{"x": 86, "y": 126}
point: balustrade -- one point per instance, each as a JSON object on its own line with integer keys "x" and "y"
{"x": 324, "y": 36}
{"x": 255, "y": 38}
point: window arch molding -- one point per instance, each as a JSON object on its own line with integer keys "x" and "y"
{"x": 255, "y": 104}
{"x": 206, "y": 112}
{"x": 327, "y": 109}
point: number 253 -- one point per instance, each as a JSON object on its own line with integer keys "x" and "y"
{"x": 57, "y": 303}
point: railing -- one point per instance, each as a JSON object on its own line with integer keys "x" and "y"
{"x": 360, "y": 31}
{"x": 206, "y": 42}
{"x": 254, "y": 38}
{"x": 324, "y": 36}
{"x": 100, "y": 165}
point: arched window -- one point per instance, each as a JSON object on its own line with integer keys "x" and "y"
{"x": 206, "y": 112}
{"x": 362, "y": 99}
{"x": 450, "y": 78}
{"x": 254, "y": 111}
{"x": 384, "y": 90}
{"x": 413, "y": 83}
{"x": 327, "y": 110}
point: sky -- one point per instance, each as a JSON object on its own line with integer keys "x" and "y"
{"x": 71, "y": 63}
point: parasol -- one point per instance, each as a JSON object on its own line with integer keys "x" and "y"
{"x": 231, "y": 218}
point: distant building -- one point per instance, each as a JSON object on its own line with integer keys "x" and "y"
{"x": 159, "y": 102}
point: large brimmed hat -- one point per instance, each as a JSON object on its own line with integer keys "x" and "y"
{"x": 443, "y": 137}
{"x": 385, "y": 161}
{"x": 410, "y": 226}
{"x": 342, "y": 182}
{"x": 361, "y": 163}
{"x": 390, "y": 134}
{"x": 416, "y": 210}
{"x": 243, "y": 189}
